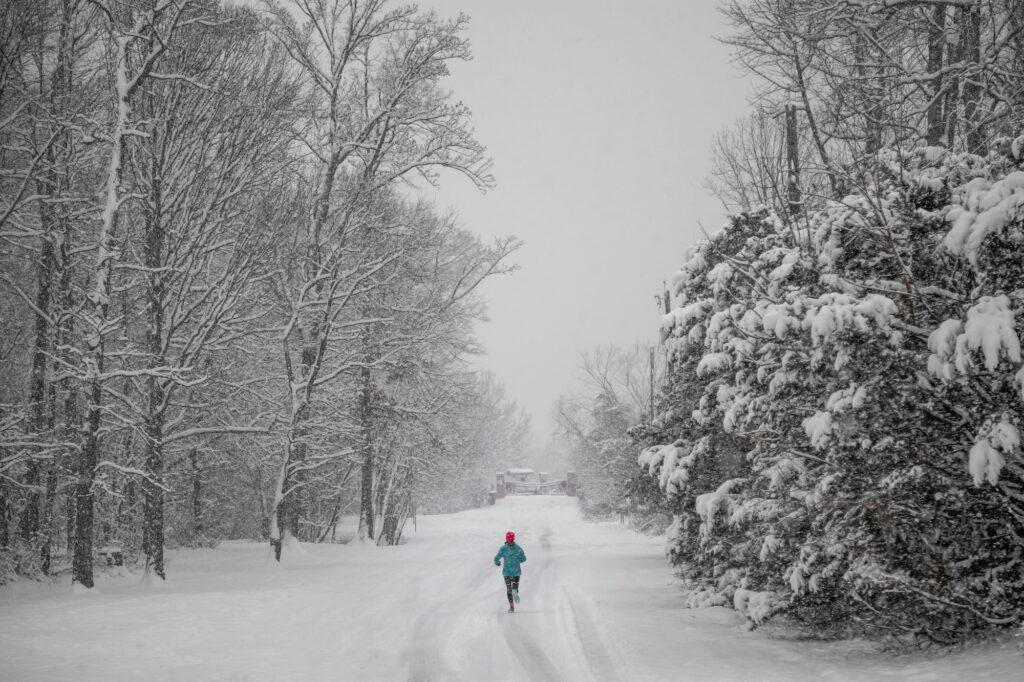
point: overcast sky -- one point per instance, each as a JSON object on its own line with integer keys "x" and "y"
{"x": 599, "y": 117}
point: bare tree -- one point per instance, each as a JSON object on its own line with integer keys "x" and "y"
{"x": 748, "y": 168}
{"x": 251, "y": 303}
{"x": 425, "y": 311}
{"x": 216, "y": 139}
{"x": 869, "y": 74}
{"x": 374, "y": 76}
{"x": 139, "y": 36}
{"x": 615, "y": 390}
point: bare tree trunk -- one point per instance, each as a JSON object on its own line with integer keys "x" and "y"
{"x": 49, "y": 512}
{"x": 88, "y": 458}
{"x": 366, "y": 517}
{"x": 30, "y": 515}
{"x": 395, "y": 510}
{"x": 972, "y": 91}
{"x": 152, "y": 483}
{"x": 197, "y": 493}
{"x": 5, "y": 525}
{"x": 388, "y": 493}
{"x": 52, "y": 184}
{"x": 293, "y": 508}
{"x": 870, "y": 104}
{"x": 68, "y": 389}
{"x": 952, "y": 99}
{"x": 936, "y": 51}
{"x": 38, "y": 384}
{"x": 277, "y": 528}
{"x": 285, "y": 512}
{"x": 70, "y": 534}
{"x": 793, "y": 193}
{"x": 812, "y": 123}
{"x": 98, "y": 302}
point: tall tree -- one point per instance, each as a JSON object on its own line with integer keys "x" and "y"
{"x": 424, "y": 331}
{"x": 140, "y": 36}
{"x": 374, "y": 75}
{"x": 216, "y": 140}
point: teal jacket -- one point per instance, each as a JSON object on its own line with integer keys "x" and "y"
{"x": 513, "y": 555}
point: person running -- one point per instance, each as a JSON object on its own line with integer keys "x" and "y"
{"x": 513, "y": 555}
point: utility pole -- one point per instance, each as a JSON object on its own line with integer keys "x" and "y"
{"x": 650, "y": 363}
{"x": 666, "y": 304}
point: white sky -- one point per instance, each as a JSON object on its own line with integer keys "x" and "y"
{"x": 599, "y": 117}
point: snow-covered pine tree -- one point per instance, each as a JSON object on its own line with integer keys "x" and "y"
{"x": 853, "y": 456}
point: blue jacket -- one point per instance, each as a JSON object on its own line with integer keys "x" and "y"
{"x": 513, "y": 555}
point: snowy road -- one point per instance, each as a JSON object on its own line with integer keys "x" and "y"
{"x": 599, "y": 604}
{"x": 465, "y": 633}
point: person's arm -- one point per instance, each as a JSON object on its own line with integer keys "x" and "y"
{"x": 522, "y": 555}
{"x": 497, "y": 557}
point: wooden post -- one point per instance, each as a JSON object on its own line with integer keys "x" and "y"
{"x": 570, "y": 484}
{"x": 500, "y": 484}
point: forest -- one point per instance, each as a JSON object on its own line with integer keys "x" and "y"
{"x": 835, "y": 442}
{"x": 229, "y": 311}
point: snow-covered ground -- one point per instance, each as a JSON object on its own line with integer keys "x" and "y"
{"x": 599, "y": 603}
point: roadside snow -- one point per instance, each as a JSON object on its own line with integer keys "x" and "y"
{"x": 599, "y": 603}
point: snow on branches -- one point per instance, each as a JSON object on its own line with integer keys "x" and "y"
{"x": 985, "y": 208}
{"x": 994, "y": 441}
{"x": 832, "y": 396}
{"x": 990, "y": 328}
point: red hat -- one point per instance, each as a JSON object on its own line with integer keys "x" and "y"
{"x": 510, "y": 537}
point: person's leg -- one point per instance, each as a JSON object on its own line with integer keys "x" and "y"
{"x": 508, "y": 591}
{"x": 515, "y": 587}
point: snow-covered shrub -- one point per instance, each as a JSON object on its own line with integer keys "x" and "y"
{"x": 859, "y": 392}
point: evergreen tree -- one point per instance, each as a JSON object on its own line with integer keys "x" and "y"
{"x": 833, "y": 397}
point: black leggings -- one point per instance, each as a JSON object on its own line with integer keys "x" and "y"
{"x": 511, "y": 583}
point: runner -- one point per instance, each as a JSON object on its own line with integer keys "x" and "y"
{"x": 513, "y": 555}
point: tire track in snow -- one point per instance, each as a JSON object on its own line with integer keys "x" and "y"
{"x": 424, "y": 653}
{"x": 538, "y": 666}
{"x": 579, "y": 619}
{"x": 591, "y": 643}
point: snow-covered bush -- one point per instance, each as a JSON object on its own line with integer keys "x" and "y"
{"x": 842, "y": 431}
